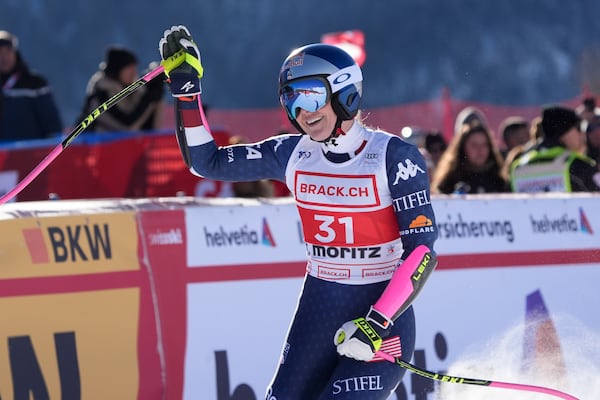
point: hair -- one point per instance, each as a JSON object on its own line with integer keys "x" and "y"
{"x": 435, "y": 137}
{"x": 589, "y": 103}
{"x": 510, "y": 125}
{"x": 535, "y": 130}
{"x": 454, "y": 165}
{"x": 116, "y": 58}
{"x": 536, "y": 135}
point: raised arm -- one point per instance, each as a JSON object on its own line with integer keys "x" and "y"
{"x": 262, "y": 160}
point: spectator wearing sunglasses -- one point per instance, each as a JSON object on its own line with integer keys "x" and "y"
{"x": 365, "y": 208}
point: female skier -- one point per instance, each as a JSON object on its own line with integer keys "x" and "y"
{"x": 364, "y": 202}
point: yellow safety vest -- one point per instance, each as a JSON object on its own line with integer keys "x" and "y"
{"x": 544, "y": 171}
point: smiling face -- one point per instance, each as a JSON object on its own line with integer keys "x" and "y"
{"x": 318, "y": 124}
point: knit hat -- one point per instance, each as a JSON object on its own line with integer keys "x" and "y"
{"x": 556, "y": 121}
{"x": 8, "y": 39}
{"x": 116, "y": 59}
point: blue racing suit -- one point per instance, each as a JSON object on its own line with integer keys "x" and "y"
{"x": 362, "y": 211}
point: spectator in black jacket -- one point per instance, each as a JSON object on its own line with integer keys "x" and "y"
{"x": 27, "y": 106}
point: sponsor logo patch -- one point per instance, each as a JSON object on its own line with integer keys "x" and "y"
{"x": 336, "y": 190}
{"x": 407, "y": 170}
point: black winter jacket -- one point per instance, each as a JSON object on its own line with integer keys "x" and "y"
{"x": 27, "y": 106}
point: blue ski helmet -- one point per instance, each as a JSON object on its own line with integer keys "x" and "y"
{"x": 306, "y": 66}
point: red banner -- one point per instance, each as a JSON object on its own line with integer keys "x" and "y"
{"x": 135, "y": 165}
{"x": 353, "y": 42}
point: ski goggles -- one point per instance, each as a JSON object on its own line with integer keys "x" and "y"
{"x": 309, "y": 94}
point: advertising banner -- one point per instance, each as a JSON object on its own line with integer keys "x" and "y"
{"x": 69, "y": 245}
{"x": 70, "y": 346}
{"x": 78, "y": 321}
{"x": 192, "y": 298}
{"x": 494, "y": 256}
{"x": 237, "y": 235}
{"x": 163, "y": 242}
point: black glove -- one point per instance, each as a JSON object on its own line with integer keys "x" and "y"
{"x": 181, "y": 60}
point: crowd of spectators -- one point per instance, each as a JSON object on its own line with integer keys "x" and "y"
{"x": 559, "y": 150}
{"x": 28, "y": 109}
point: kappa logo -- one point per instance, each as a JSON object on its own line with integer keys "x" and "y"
{"x": 304, "y": 154}
{"x": 405, "y": 172}
{"x": 187, "y": 86}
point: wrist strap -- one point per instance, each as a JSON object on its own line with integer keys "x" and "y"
{"x": 179, "y": 58}
{"x": 378, "y": 319}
